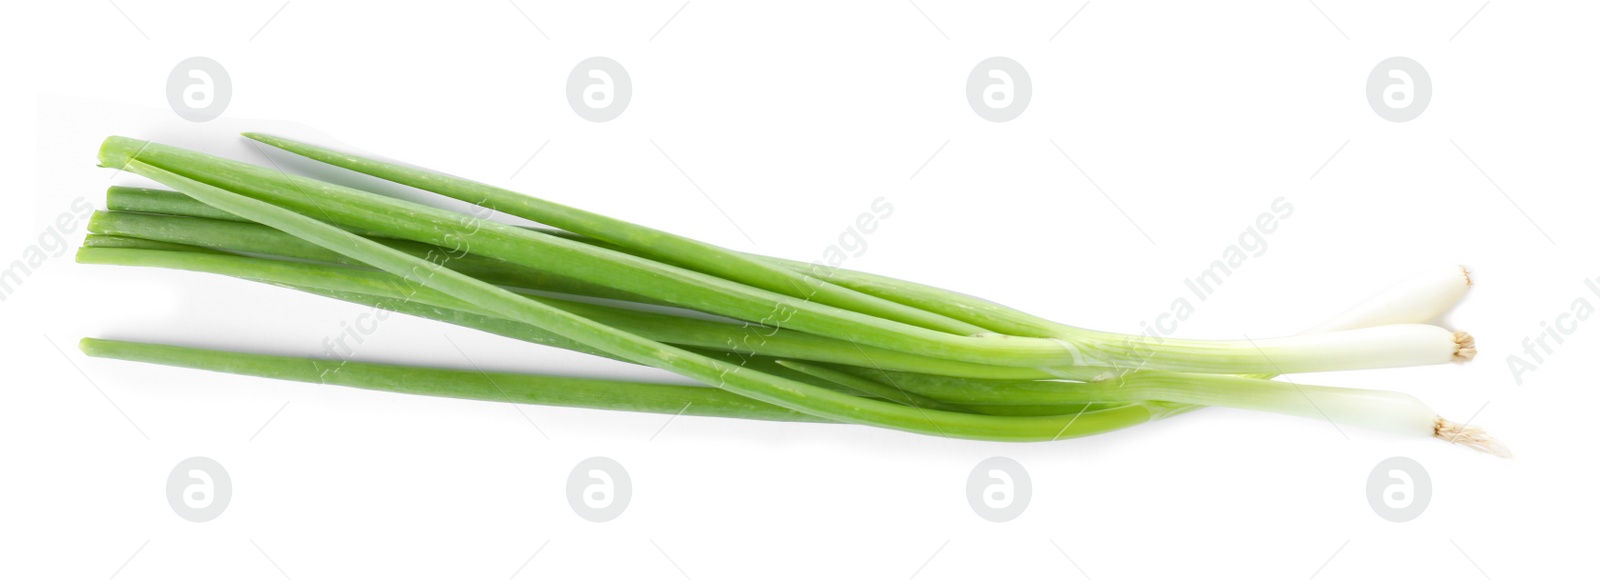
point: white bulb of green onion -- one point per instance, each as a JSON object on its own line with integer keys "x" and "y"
{"x": 1418, "y": 299}
{"x": 1421, "y": 298}
{"x": 1384, "y": 328}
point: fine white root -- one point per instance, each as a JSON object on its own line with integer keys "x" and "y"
{"x": 1466, "y": 348}
{"x": 1471, "y": 437}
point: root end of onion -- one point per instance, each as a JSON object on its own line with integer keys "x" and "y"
{"x": 1465, "y": 273}
{"x": 1466, "y": 348}
{"x": 1472, "y": 437}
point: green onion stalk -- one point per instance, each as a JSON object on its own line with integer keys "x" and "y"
{"x": 1388, "y": 346}
{"x": 768, "y": 338}
{"x": 783, "y": 392}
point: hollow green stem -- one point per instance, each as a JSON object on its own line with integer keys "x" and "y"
{"x": 94, "y": 240}
{"x": 459, "y": 384}
{"x": 739, "y": 338}
{"x": 787, "y": 393}
{"x": 254, "y": 238}
{"x": 149, "y": 200}
{"x": 1374, "y": 409}
{"x": 640, "y": 240}
{"x": 395, "y": 218}
{"x": 887, "y": 392}
{"x": 976, "y": 311}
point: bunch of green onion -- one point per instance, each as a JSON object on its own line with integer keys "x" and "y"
{"x": 766, "y": 338}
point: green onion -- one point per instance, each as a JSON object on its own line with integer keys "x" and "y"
{"x": 771, "y": 338}
{"x": 1398, "y": 345}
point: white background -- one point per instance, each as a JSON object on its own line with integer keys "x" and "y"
{"x": 1191, "y": 118}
